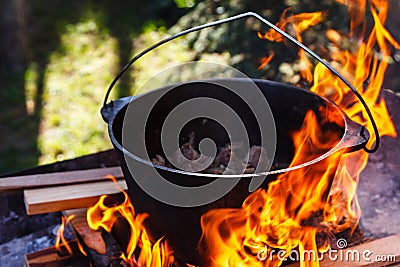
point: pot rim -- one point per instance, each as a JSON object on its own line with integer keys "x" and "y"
{"x": 354, "y": 136}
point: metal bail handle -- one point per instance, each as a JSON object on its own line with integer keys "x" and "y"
{"x": 286, "y": 35}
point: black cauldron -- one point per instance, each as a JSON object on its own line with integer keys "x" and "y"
{"x": 181, "y": 225}
{"x": 289, "y": 105}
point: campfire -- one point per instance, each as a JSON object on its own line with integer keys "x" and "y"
{"x": 304, "y": 211}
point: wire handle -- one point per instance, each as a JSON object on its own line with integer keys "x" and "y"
{"x": 286, "y": 35}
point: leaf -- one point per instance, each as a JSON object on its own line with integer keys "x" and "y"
{"x": 185, "y": 3}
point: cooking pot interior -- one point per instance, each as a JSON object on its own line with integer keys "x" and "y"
{"x": 288, "y": 104}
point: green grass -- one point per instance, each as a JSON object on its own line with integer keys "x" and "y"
{"x": 75, "y": 82}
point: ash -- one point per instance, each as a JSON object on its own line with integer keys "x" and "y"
{"x": 12, "y": 253}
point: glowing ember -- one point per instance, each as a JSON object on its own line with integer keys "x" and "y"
{"x": 140, "y": 251}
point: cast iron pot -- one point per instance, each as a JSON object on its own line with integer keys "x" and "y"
{"x": 180, "y": 225}
{"x": 289, "y": 104}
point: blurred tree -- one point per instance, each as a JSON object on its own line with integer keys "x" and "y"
{"x": 17, "y": 131}
{"x": 13, "y": 47}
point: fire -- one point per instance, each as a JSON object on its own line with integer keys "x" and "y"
{"x": 302, "y": 209}
{"x": 368, "y": 63}
{"x": 286, "y": 216}
{"x": 299, "y": 23}
{"x": 61, "y": 242}
{"x": 60, "y": 235}
{"x": 140, "y": 251}
{"x": 318, "y": 201}
{"x": 266, "y": 60}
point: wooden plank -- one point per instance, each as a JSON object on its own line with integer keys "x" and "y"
{"x": 50, "y": 179}
{"x": 367, "y": 254}
{"x": 58, "y": 198}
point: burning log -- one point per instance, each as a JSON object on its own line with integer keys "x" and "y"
{"x": 139, "y": 249}
{"x": 103, "y": 248}
{"x": 100, "y": 246}
{"x": 91, "y": 248}
{"x": 92, "y": 239}
{"x": 57, "y": 257}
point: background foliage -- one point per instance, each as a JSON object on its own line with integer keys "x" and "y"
{"x": 58, "y": 57}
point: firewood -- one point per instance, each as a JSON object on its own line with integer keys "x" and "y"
{"x": 58, "y": 198}
{"x": 388, "y": 246}
{"x": 100, "y": 246}
{"x": 57, "y": 258}
{"x": 90, "y": 237}
{"x": 58, "y": 178}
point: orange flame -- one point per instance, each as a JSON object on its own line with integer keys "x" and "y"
{"x": 61, "y": 242}
{"x": 60, "y": 235}
{"x": 368, "y": 63}
{"x": 80, "y": 247}
{"x": 140, "y": 251}
{"x": 286, "y": 216}
{"x": 356, "y": 10}
{"x": 308, "y": 202}
{"x": 266, "y": 60}
{"x": 302, "y": 204}
{"x": 299, "y": 24}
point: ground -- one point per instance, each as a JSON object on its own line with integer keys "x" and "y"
{"x": 379, "y": 187}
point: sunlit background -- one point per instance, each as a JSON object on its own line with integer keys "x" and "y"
{"x": 58, "y": 57}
